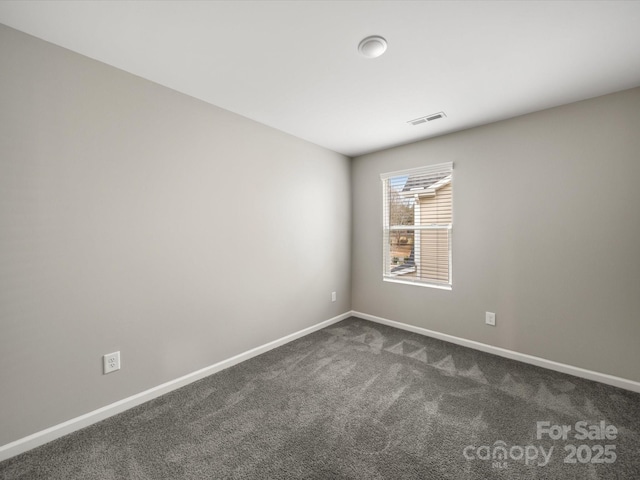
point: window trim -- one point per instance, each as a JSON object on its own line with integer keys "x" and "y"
{"x": 438, "y": 286}
{"x": 387, "y": 229}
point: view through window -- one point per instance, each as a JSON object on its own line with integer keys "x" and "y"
{"x": 417, "y": 223}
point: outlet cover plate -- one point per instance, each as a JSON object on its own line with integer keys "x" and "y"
{"x": 490, "y": 319}
{"x": 111, "y": 362}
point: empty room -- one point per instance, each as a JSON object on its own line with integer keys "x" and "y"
{"x": 319, "y": 239}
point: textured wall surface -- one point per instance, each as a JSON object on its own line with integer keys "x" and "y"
{"x": 545, "y": 234}
{"x": 138, "y": 219}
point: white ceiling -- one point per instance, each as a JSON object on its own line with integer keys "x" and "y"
{"x": 294, "y": 65}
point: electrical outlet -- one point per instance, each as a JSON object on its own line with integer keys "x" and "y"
{"x": 333, "y": 296}
{"x": 111, "y": 362}
{"x": 490, "y": 319}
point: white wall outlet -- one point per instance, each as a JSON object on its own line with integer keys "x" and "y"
{"x": 490, "y": 318}
{"x": 111, "y": 362}
{"x": 333, "y": 296}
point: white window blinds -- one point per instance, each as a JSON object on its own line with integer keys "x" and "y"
{"x": 417, "y": 221}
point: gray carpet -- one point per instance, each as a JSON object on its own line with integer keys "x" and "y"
{"x": 358, "y": 400}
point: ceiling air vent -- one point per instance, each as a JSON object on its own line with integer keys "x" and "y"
{"x": 427, "y": 118}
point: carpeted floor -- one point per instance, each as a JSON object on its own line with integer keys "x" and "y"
{"x": 359, "y": 400}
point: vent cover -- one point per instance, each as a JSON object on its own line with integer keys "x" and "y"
{"x": 427, "y": 118}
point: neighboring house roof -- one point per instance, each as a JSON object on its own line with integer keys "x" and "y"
{"x": 420, "y": 182}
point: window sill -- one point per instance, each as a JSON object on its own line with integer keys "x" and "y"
{"x": 418, "y": 284}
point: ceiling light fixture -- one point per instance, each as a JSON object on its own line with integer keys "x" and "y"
{"x": 372, "y": 47}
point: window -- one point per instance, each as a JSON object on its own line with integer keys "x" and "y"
{"x": 417, "y": 206}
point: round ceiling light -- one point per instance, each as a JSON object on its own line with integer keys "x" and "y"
{"x": 372, "y": 47}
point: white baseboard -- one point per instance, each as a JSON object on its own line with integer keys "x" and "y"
{"x": 40, "y": 438}
{"x": 521, "y": 357}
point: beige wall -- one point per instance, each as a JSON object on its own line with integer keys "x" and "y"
{"x": 135, "y": 218}
{"x": 546, "y": 234}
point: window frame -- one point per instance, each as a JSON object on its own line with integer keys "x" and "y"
{"x": 387, "y": 228}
